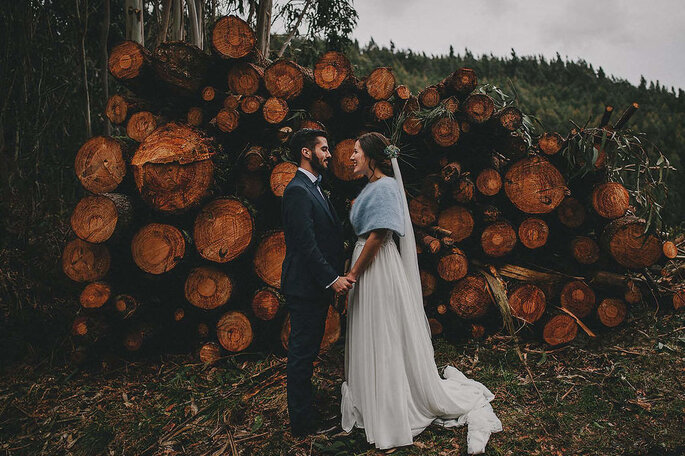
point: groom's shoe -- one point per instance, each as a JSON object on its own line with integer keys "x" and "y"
{"x": 324, "y": 423}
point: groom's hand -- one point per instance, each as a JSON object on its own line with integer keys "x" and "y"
{"x": 342, "y": 285}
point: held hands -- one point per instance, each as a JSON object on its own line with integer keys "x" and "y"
{"x": 343, "y": 284}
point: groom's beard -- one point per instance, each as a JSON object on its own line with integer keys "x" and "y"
{"x": 318, "y": 165}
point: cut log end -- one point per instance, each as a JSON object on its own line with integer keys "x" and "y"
{"x": 266, "y": 303}
{"x": 380, "y": 84}
{"x": 331, "y": 70}
{"x": 445, "y": 132}
{"x": 585, "y": 250}
{"x": 281, "y": 176}
{"x": 85, "y": 262}
{"x": 533, "y": 232}
{"x": 95, "y": 295}
{"x": 223, "y": 230}
{"x": 498, "y": 239}
{"x": 550, "y": 143}
{"x": 469, "y": 298}
{"x": 578, "y": 298}
{"x": 234, "y": 331}
{"x": 453, "y": 266}
{"x": 528, "y": 303}
{"x": 268, "y": 258}
{"x": 100, "y": 164}
{"x": 571, "y": 212}
{"x": 275, "y": 110}
{"x": 534, "y": 185}
{"x": 157, "y": 248}
{"x": 489, "y": 182}
{"x": 611, "y": 312}
{"x": 560, "y": 329}
{"x": 208, "y": 288}
{"x": 233, "y": 38}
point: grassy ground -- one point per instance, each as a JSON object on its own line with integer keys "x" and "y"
{"x": 619, "y": 394}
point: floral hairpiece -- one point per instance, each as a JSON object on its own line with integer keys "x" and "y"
{"x": 391, "y": 151}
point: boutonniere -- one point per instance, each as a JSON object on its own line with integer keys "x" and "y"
{"x": 327, "y": 193}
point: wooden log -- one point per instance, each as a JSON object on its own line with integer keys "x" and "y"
{"x": 266, "y": 303}
{"x": 275, "y": 110}
{"x": 331, "y": 70}
{"x": 210, "y": 353}
{"x": 464, "y": 190}
{"x": 559, "y": 329}
{"x": 223, "y": 230}
{"x": 412, "y": 125}
{"x": 268, "y": 258}
{"x": 179, "y": 314}
{"x": 625, "y": 117}
{"x": 498, "y": 239}
{"x": 125, "y": 305}
{"x": 489, "y": 182}
{"x": 402, "y": 92}
{"x": 131, "y": 64}
{"x": 478, "y": 108}
{"x": 451, "y": 104}
{"x": 669, "y": 249}
{"x": 232, "y": 102}
{"x": 234, "y": 331}
{"x": 380, "y": 84}
{"x": 309, "y": 123}
{"x": 490, "y": 213}
{"x": 428, "y": 283}
{"x": 321, "y": 110}
{"x": 533, "y": 232}
{"x": 208, "y": 94}
{"x": 250, "y": 104}
{"x": 550, "y": 143}
{"x": 435, "y": 327}
{"x": 140, "y": 334}
{"x": 461, "y": 82}
{"x": 431, "y": 186}
{"x": 286, "y": 79}
{"x": 85, "y": 262}
{"x": 157, "y": 248}
{"x": 610, "y": 200}
{"x": 119, "y": 108}
{"x": 469, "y": 298}
{"x": 95, "y": 295}
{"x": 632, "y": 294}
{"x": 245, "y": 78}
{"x": 453, "y": 266}
{"x": 534, "y": 185}
{"x": 527, "y": 302}
{"x": 509, "y": 118}
{"x": 611, "y": 312}
{"x": 445, "y": 132}
{"x": 349, "y": 103}
{"x": 429, "y": 97}
{"x": 441, "y": 309}
{"x": 232, "y": 38}
{"x": 281, "y": 176}
{"x": 100, "y": 164}
{"x": 341, "y": 164}
{"x": 208, "y": 288}
{"x": 172, "y": 168}
{"x": 513, "y": 146}
{"x": 432, "y": 244}
{"x": 195, "y": 116}
{"x": 88, "y": 329}
{"x": 626, "y": 242}
{"x": 608, "y": 111}
{"x": 183, "y": 67}
{"x": 227, "y": 120}
{"x": 571, "y": 212}
{"x": 141, "y": 125}
{"x": 477, "y": 331}
{"x": 458, "y": 220}
{"x": 450, "y": 172}
{"x": 255, "y": 158}
{"x": 578, "y": 298}
{"x": 585, "y": 250}
{"x": 381, "y": 111}
{"x": 97, "y": 217}
{"x": 331, "y": 332}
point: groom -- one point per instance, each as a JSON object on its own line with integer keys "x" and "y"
{"x": 312, "y": 270}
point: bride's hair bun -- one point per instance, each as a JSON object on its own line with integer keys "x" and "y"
{"x": 378, "y": 148}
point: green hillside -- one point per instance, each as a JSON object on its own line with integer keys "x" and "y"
{"x": 556, "y": 91}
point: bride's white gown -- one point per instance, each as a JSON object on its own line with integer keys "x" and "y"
{"x": 392, "y": 387}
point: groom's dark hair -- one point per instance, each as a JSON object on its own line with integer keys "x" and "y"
{"x": 307, "y": 137}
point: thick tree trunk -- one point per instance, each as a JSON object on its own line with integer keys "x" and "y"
{"x": 135, "y": 29}
{"x": 264, "y": 26}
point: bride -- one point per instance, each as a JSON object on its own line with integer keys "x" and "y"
{"x": 392, "y": 387}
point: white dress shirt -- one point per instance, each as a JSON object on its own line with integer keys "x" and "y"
{"x": 314, "y": 178}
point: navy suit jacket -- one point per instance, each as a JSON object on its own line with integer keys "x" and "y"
{"x": 313, "y": 241}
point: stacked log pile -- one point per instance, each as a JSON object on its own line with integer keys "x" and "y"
{"x": 178, "y": 240}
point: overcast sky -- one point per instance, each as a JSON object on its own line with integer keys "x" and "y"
{"x": 626, "y": 37}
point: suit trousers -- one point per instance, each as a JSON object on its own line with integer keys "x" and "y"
{"x": 307, "y": 323}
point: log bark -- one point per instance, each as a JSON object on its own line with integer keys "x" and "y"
{"x": 527, "y": 302}
{"x": 625, "y": 117}
{"x": 534, "y": 185}
{"x": 281, "y": 176}
{"x": 234, "y": 331}
{"x": 498, "y": 239}
{"x": 533, "y": 232}
{"x": 95, "y": 295}
{"x": 233, "y": 38}
{"x": 469, "y": 298}
{"x": 453, "y": 266}
{"x": 611, "y": 312}
{"x": 157, "y": 248}
{"x": 208, "y": 288}
{"x": 432, "y": 244}
{"x": 578, "y": 298}
{"x": 266, "y": 303}
{"x": 268, "y": 258}
{"x": 97, "y": 217}
{"x": 275, "y": 110}
{"x": 584, "y": 250}
{"x": 172, "y": 167}
{"x": 608, "y": 111}
{"x": 100, "y": 164}
{"x": 610, "y": 200}
{"x": 85, "y": 262}
{"x": 626, "y": 242}
{"x": 223, "y": 230}
{"x": 183, "y": 67}
{"x": 245, "y": 78}
{"x": 332, "y": 70}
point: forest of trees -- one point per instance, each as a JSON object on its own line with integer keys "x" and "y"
{"x": 50, "y": 47}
